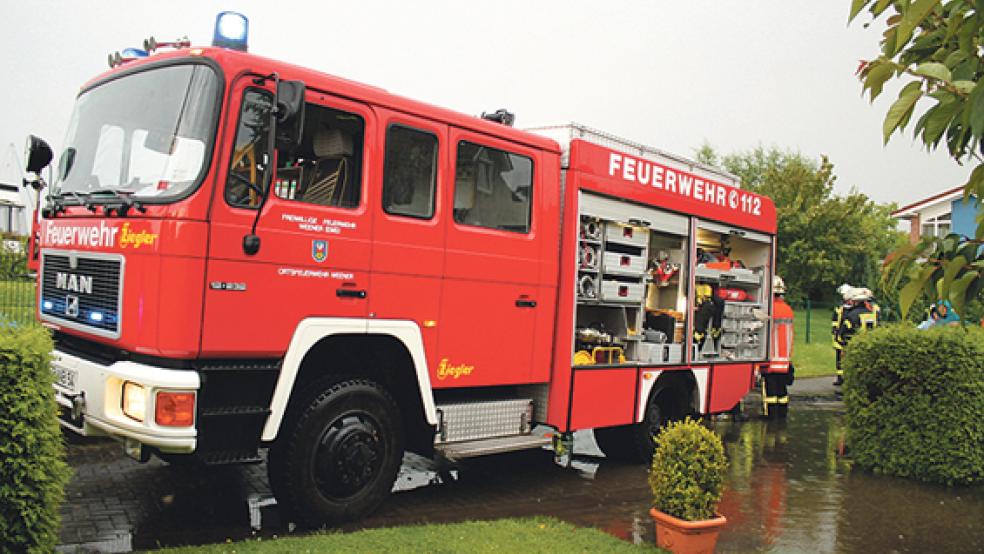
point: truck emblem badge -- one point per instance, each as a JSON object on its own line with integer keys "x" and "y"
{"x": 71, "y": 305}
{"x": 319, "y": 250}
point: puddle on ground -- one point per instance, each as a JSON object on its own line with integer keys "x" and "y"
{"x": 787, "y": 491}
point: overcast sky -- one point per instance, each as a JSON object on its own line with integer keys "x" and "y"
{"x": 670, "y": 74}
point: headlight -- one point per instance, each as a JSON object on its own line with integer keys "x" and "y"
{"x": 134, "y": 401}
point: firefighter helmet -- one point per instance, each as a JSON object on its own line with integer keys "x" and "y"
{"x": 778, "y": 285}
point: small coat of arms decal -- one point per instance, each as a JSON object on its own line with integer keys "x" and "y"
{"x": 319, "y": 250}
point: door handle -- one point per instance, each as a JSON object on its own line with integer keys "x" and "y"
{"x": 350, "y": 293}
{"x": 524, "y": 303}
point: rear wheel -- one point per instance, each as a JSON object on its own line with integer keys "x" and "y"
{"x": 338, "y": 460}
{"x": 636, "y": 443}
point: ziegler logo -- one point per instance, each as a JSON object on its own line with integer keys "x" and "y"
{"x": 446, "y": 370}
{"x": 73, "y": 282}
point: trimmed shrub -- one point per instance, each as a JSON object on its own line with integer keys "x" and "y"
{"x": 687, "y": 475}
{"x": 915, "y": 403}
{"x": 33, "y": 472}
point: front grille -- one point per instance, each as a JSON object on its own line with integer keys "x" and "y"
{"x": 85, "y": 294}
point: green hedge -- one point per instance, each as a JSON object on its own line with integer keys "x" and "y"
{"x": 33, "y": 472}
{"x": 915, "y": 403}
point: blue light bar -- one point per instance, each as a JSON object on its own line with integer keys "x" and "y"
{"x": 133, "y": 53}
{"x": 231, "y": 31}
{"x": 96, "y": 316}
{"x": 48, "y": 304}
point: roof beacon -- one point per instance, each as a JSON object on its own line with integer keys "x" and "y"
{"x": 231, "y": 30}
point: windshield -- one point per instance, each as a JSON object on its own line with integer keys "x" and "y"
{"x": 145, "y": 134}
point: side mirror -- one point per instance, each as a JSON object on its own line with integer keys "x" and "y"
{"x": 38, "y": 154}
{"x": 290, "y": 114}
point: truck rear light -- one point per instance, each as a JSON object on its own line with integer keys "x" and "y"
{"x": 134, "y": 401}
{"x": 175, "y": 409}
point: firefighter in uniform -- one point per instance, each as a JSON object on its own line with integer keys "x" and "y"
{"x": 861, "y": 314}
{"x": 778, "y": 375}
{"x": 846, "y": 291}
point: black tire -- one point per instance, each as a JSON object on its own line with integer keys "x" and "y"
{"x": 338, "y": 459}
{"x": 616, "y": 442}
{"x": 636, "y": 443}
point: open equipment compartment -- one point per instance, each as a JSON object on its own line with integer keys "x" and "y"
{"x": 731, "y": 301}
{"x": 632, "y": 281}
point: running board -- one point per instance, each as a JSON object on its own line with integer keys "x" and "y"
{"x": 482, "y": 447}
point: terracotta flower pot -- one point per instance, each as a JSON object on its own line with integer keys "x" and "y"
{"x": 686, "y": 537}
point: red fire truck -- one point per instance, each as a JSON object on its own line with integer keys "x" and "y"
{"x": 240, "y": 254}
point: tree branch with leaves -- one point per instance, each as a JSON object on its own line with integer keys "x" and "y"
{"x": 937, "y": 48}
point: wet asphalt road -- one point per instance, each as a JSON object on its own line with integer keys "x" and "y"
{"x": 114, "y": 504}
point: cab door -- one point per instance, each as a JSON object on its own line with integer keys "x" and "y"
{"x": 314, "y": 229}
{"x": 489, "y": 301}
{"x": 408, "y": 234}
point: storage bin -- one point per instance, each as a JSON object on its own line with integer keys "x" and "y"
{"x": 623, "y": 264}
{"x": 674, "y": 353}
{"x": 626, "y": 234}
{"x": 729, "y": 340}
{"x": 618, "y": 291}
{"x": 651, "y": 352}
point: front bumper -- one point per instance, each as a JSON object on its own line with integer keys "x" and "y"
{"x": 94, "y": 405}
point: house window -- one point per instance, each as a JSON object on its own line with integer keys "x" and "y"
{"x": 936, "y": 227}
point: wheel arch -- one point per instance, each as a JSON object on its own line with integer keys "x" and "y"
{"x": 389, "y": 352}
{"x": 685, "y": 385}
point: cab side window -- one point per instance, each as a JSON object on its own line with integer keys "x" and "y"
{"x": 492, "y": 188}
{"x": 326, "y": 168}
{"x": 244, "y": 186}
{"x": 409, "y": 172}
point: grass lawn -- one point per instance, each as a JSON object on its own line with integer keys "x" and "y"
{"x": 817, "y": 358}
{"x": 540, "y": 534}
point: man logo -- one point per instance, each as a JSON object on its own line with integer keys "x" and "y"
{"x": 72, "y": 305}
{"x": 319, "y": 250}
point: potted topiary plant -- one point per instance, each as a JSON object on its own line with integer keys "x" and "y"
{"x": 686, "y": 478}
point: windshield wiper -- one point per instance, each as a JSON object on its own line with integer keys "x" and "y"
{"x": 58, "y": 202}
{"x": 125, "y": 202}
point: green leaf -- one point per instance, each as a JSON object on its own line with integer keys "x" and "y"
{"x": 936, "y": 121}
{"x": 880, "y": 6}
{"x": 913, "y": 17}
{"x": 901, "y": 110}
{"x": 975, "y": 111}
{"x": 976, "y": 180}
{"x": 964, "y": 87}
{"x": 877, "y": 75}
{"x": 954, "y": 58}
{"x": 950, "y": 272}
{"x": 958, "y": 290}
{"x": 909, "y": 293}
{"x": 933, "y": 70}
{"x": 856, "y": 7}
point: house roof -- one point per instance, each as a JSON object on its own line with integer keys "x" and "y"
{"x": 906, "y": 212}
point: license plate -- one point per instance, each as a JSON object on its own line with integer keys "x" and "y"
{"x": 65, "y": 377}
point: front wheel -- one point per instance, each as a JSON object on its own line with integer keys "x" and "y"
{"x": 340, "y": 457}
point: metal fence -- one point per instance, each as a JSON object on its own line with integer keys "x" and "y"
{"x": 18, "y": 293}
